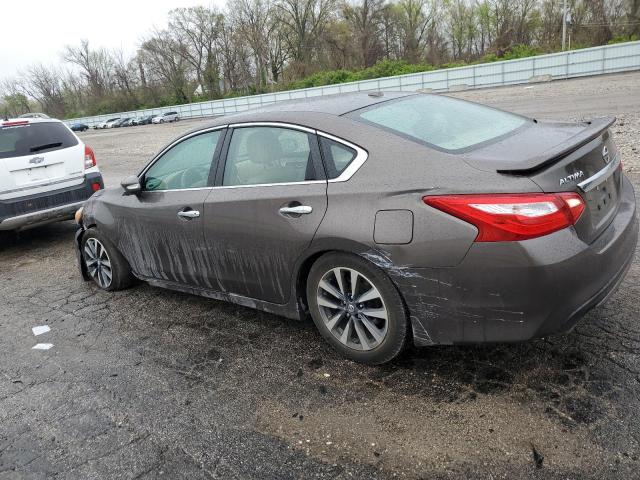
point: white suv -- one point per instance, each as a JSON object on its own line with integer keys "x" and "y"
{"x": 46, "y": 173}
{"x": 166, "y": 117}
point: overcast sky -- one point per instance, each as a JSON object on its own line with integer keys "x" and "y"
{"x": 36, "y": 31}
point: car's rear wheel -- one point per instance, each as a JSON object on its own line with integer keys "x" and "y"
{"x": 356, "y": 308}
{"x": 105, "y": 264}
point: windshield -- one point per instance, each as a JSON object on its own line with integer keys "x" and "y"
{"x": 444, "y": 122}
{"x": 18, "y": 141}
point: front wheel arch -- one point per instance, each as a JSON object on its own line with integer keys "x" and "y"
{"x": 122, "y": 275}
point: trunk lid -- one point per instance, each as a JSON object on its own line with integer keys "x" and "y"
{"x": 564, "y": 157}
{"x": 38, "y": 156}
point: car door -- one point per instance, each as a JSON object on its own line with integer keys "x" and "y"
{"x": 161, "y": 227}
{"x": 269, "y": 199}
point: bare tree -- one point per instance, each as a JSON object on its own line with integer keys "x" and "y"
{"x": 163, "y": 57}
{"x": 95, "y": 65}
{"x": 305, "y": 22}
{"x": 197, "y": 30}
{"x": 253, "y": 20}
{"x": 415, "y": 20}
{"x": 366, "y": 19}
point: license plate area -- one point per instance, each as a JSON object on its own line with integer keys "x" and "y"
{"x": 38, "y": 174}
{"x": 602, "y": 201}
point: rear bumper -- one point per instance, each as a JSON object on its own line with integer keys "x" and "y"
{"x": 506, "y": 292}
{"x": 34, "y": 210}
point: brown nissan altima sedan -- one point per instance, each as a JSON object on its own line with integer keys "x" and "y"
{"x": 388, "y": 218}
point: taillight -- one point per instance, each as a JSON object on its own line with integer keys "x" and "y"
{"x": 509, "y": 217}
{"x": 89, "y": 157}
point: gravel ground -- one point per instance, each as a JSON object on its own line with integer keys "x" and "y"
{"x": 148, "y": 383}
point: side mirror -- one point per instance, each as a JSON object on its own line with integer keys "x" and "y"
{"x": 131, "y": 185}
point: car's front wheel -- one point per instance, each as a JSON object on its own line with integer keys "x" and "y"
{"x": 356, "y": 308}
{"x": 105, "y": 264}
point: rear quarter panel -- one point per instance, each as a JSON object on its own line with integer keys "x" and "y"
{"x": 396, "y": 175}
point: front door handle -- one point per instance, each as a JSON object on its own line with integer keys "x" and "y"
{"x": 189, "y": 214}
{"x": 297, "y": 210}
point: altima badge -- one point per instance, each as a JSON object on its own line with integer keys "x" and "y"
{"x": 572, "y": 178}
{"x": 605, "y": 154}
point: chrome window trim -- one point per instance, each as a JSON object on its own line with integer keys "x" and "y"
{"x": 173, "y": 144}
{"x": 596, "y": 179}
{"x": 356, "y": 163}
{"x": 283, "y": 184}
{"x": 354, "y": 166}
{"x": 177, "y": 190}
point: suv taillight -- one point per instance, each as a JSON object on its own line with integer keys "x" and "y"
{"x": 509, "y": 217}
{"x": 89, "y": 158}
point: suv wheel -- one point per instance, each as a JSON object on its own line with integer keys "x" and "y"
{"x": 356, "y": 308}
{"x": 105, "y": 264}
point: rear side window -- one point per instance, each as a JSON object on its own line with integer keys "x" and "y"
{"x": 23, "y": 140}
{"x": 336, "y": 156}
{"x": 446, "y": 123}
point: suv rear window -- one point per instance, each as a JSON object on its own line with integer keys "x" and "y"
{"x": 442, "y": 122}
{"x": 33, "y": 138}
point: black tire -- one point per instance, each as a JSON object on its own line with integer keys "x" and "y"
{"x": 397, "y": 326}
{"x": 121, "y": 275}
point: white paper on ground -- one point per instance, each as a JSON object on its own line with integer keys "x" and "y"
{"x": 40, "y": 330}
{"x": 42, "y": 346}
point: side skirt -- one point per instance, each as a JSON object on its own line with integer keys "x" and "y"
{"x": 289, "y": 310}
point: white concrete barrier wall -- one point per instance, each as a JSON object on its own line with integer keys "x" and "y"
{"x": 621, "y": 57}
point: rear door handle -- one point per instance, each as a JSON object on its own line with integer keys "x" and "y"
{"x": 297, "y": 210}
{"x": 189, "y": 214}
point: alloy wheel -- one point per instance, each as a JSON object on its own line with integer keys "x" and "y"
{"x": 98, "y": 262}
{"x": 352, "y": 308}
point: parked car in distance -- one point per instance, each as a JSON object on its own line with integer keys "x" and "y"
{"x": 121, "y": 123}
{"x": 106, "y": 123}
{"x": 386, "y": 217}
{"x": 166, "y": 117}
{"x": 129, "y": 122}
{"x": 146, "y": 120}
{"x": 79, "y": 127}
{"x": 46, "y": 173}
{"x": 34, "y": 115}
{"x": 111, "y": 123}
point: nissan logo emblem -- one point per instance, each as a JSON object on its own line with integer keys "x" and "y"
{"x": 605, "y": 154}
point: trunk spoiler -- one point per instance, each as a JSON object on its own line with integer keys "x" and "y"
{"x": 592, "y": 130}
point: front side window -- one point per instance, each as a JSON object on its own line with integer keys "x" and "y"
{"x": 266, "y": 155}
{"x": 185, "y": 165}
{"x": 444, "y": 122}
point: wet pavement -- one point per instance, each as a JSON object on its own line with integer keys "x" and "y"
{"x": 148, "y": 383}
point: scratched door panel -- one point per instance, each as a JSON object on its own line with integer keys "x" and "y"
{"x": 156, "y": 241}
{"x": 252, "y": 246}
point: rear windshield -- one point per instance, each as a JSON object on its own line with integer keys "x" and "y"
{"x": 443, "y": 122}
{"x": 33, "y": 138}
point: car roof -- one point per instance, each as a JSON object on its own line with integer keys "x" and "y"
{"x": 294, "y": 110}
{"x": 336, "y": 104}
